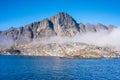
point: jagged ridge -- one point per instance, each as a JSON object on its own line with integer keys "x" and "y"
{"x": 61, "y": 24}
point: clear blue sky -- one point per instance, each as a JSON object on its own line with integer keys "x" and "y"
{"x": 20, "y": 12}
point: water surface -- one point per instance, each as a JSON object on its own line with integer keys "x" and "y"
{"x": 54, "y": 68}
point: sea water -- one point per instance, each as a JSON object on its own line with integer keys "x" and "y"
{"x": 55, "y": 68}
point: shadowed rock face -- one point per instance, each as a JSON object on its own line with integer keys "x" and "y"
{"x": 82, "y": 28}
{"x": 10, "y": 51}
{"x": 45, "y": 29}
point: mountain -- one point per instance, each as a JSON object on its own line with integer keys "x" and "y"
{"x": 22, "y": 40}
{"x": 62, "y": 24}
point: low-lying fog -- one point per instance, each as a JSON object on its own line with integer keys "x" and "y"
{"x": 101, "y": 38}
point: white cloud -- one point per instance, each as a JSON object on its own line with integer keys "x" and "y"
{"x": 101, "y": 38}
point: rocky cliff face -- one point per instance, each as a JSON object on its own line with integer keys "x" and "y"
{"x": 61, "y": 24}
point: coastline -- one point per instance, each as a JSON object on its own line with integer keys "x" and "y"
{"x": 63, "y": 57}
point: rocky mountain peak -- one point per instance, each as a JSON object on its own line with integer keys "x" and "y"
{"x": 64, "y": 24}
{"x": 63, "y": 19}
{"x": 63, "y": 15}
{"x": 90, "y": 27}
{"x": 100, "y": 26}
{"x": 111, "y": 27}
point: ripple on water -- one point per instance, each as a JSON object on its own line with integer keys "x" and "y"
{"x": 54, "y": 68}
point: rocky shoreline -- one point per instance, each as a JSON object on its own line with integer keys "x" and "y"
{"x": 63, "y": 50}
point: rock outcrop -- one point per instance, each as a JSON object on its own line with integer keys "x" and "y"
{"x": 68, "y": 50}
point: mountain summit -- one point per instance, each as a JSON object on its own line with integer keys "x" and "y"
{"x": 64, "y": 24}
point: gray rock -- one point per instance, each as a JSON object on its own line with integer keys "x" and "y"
{"x": 111, "y": 27}
{"x": 100, "y": 27}
{"x": 82, "y": 27}
{"x": 45, "y": 29}
{"x": 64, "y": 24}
{"x": 90, "y": 28}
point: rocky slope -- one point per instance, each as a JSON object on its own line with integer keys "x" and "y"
{"x": 68, "y": 49}
{"x": 20, "y": 40}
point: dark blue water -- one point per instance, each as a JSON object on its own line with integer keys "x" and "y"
{"x": 54, "y": 68}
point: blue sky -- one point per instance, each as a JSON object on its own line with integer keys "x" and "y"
{"x": 18, "y": 13}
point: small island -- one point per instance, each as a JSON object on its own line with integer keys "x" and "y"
{"x": 56, "y": 36}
